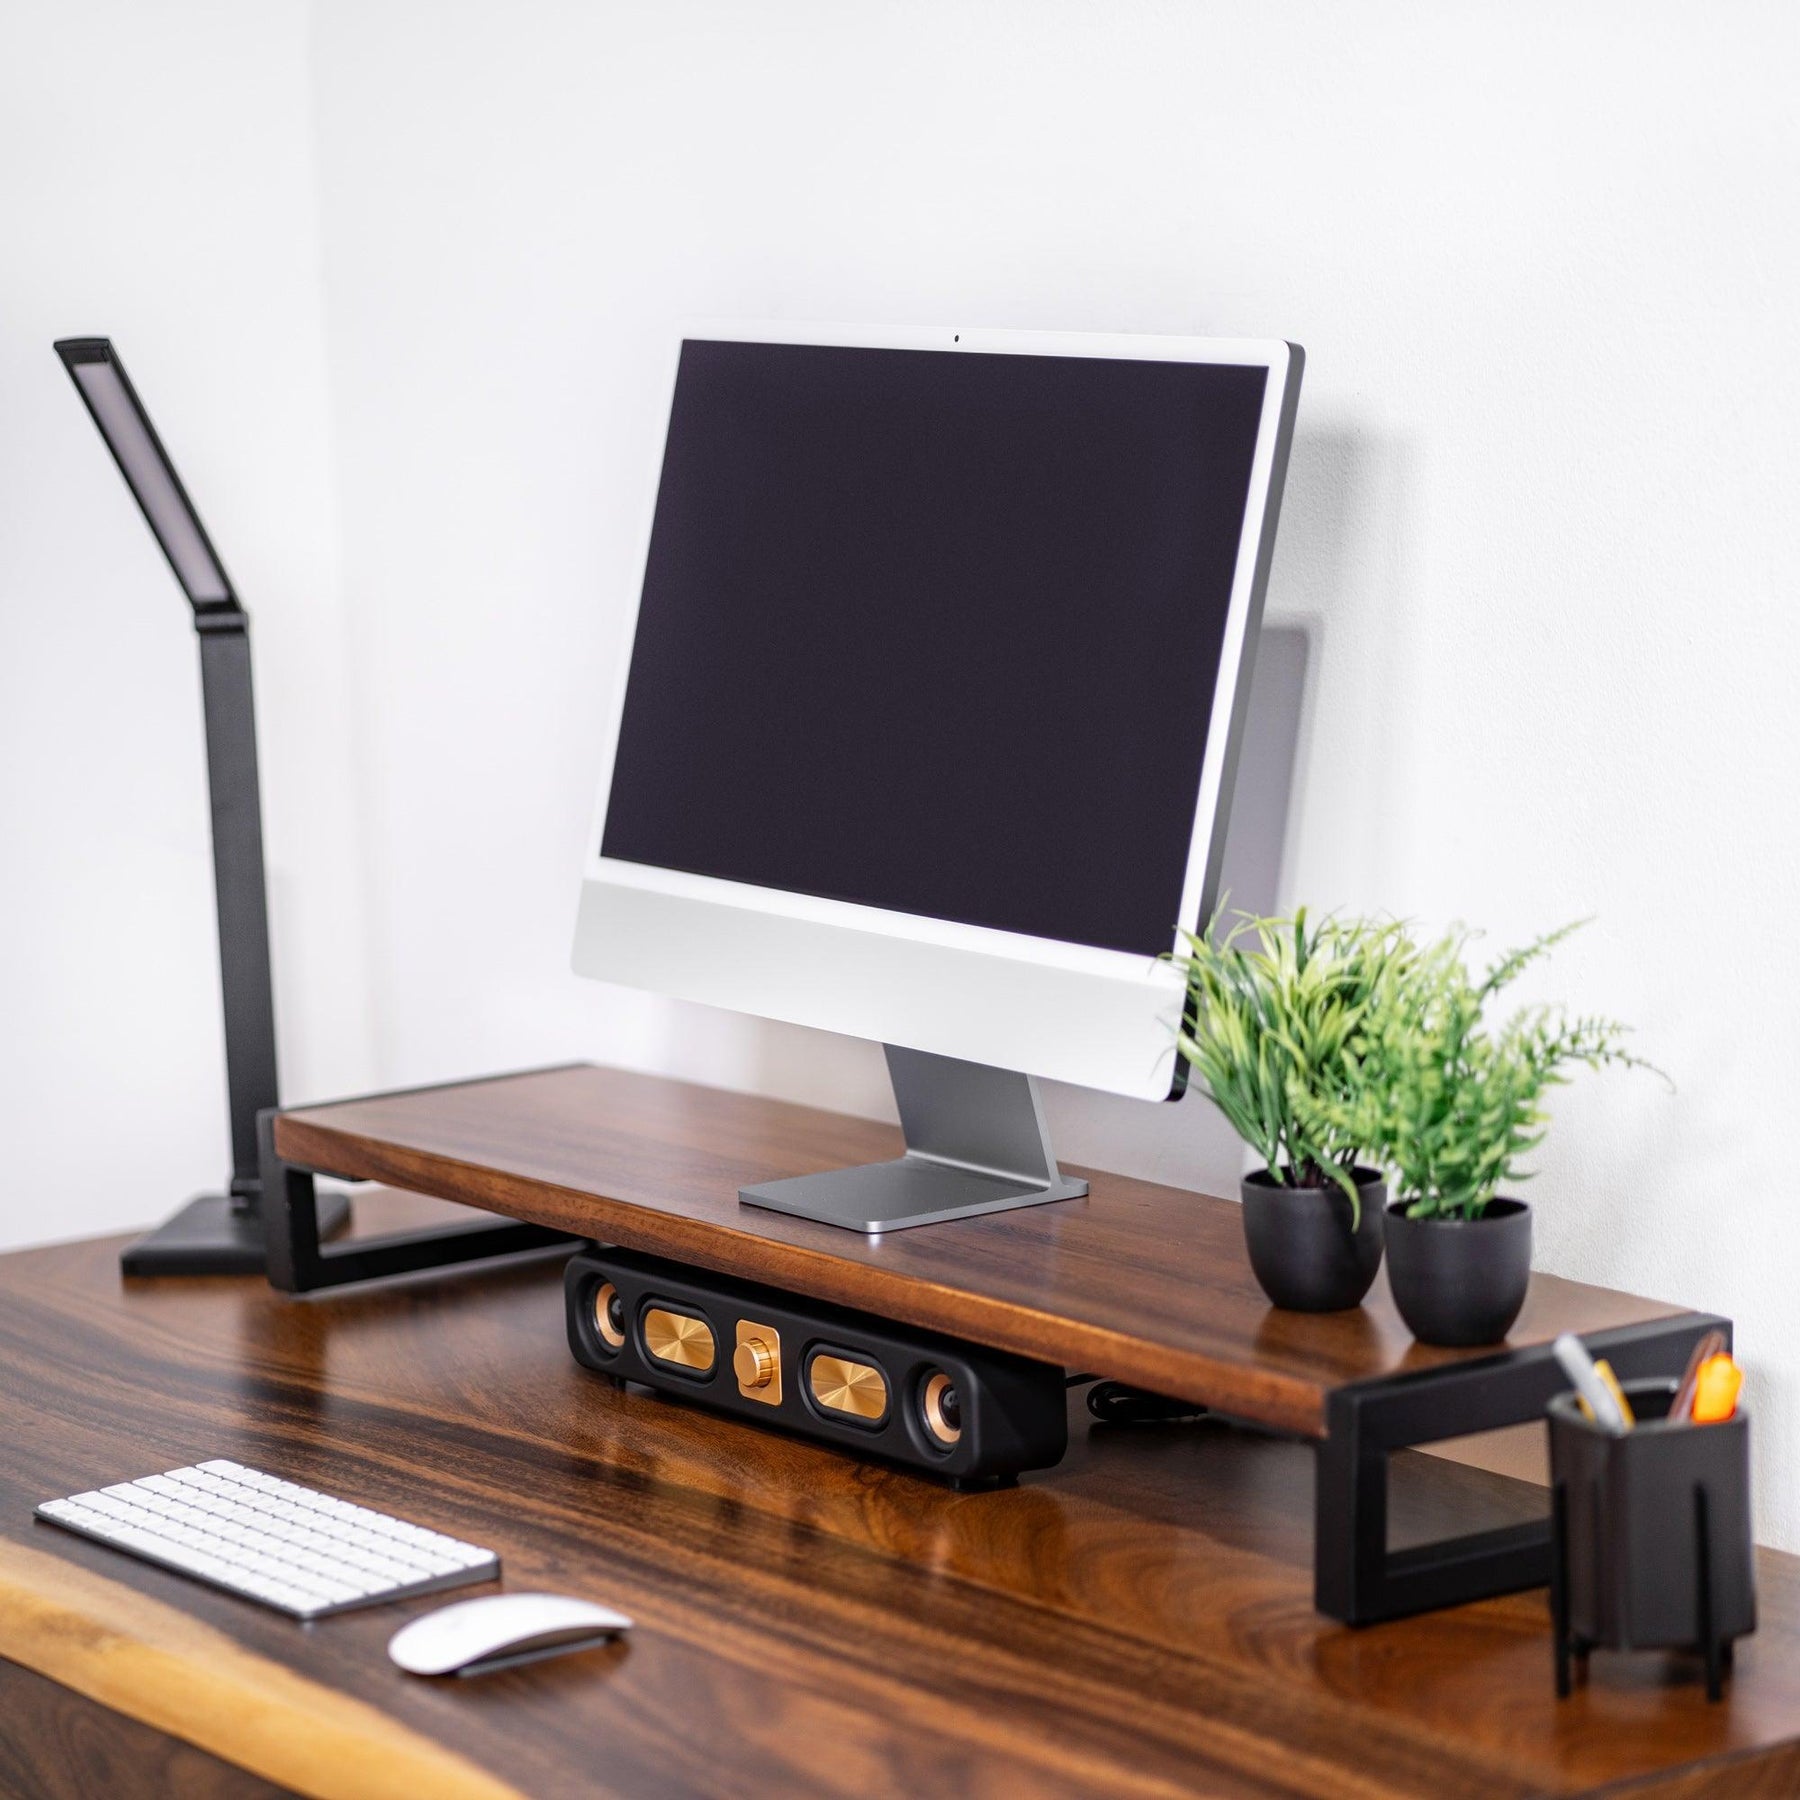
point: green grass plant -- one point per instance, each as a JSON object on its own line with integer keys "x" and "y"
{"x": 1277, "y": 1008}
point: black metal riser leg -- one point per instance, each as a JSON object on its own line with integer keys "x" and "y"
{"x": 299, "y": 1264}
{"x": 1356, "y": 1578}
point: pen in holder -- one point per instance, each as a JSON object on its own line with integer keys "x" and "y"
{"x": 1651, "y": 1533}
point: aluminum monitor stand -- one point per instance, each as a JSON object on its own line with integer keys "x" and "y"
{"x": 976, "y": 1143}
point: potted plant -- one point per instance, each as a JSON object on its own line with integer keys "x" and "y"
{"x": 1274, "y": 1006}
{"x": 1450, "y": 1104}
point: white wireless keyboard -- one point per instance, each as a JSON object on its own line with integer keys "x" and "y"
{"x": 287, "y": 1546}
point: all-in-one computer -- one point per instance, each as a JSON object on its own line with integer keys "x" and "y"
{"x": 927, "y": 724}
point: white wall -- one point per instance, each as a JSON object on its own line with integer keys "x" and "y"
{"x": 1541, "y": 529}
{"x": 1540, "y": 532}
{"x": 157, "y": 185}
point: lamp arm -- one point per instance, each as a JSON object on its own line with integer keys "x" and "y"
{"x": 245, "y": 979}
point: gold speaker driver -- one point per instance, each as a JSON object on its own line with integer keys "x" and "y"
{"x": 679, "y": 1339}
{"x": 609, "y": 1315}
{"x": 857, "y": 1390}
{"x": 943, "y": 1409}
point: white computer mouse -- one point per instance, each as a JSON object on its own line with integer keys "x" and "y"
{"x": 500, "y": 1631}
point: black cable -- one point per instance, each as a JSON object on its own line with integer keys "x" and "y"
{"x": 1113, "y": 1403}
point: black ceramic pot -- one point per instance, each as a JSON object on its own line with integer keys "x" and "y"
{"x": 1460, "y": 1281}
{"x": 1301, "y": 1244}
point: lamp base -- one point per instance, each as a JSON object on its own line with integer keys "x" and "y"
{"x": 213, "y": 1236}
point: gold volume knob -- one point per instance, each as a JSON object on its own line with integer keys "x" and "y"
{"x": 753, "y": 1363}
{"x": 756, "y": 1362}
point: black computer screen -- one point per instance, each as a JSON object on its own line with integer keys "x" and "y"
{"x": 937, "y": 631}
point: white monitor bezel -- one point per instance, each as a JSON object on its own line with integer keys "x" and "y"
{"x": 1279, "y": 358}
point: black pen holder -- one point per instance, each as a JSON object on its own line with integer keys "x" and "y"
{"x": 1652, "y": 1545}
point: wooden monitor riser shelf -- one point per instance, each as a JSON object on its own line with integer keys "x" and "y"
{"x": 1141, "y": 1283}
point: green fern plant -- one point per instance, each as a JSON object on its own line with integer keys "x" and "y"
{"x": 1446, "y": 1101}
{"x": 1276, "y": 1008}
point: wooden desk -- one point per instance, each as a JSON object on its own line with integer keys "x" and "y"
{"x": 1138, "y": 1621}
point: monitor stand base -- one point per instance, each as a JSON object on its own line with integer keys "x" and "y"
{"x": 216, "y": 1235}
{"x": 976, "y": 1143}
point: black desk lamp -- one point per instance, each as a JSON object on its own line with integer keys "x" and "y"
{"x": 216, "y": 1234}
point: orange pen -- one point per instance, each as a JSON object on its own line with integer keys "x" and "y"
{"x": 1716, "y": 1391}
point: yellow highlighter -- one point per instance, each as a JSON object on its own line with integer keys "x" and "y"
{"x": 1716, "y": 1391}
{"x": 1604, "y": 1370}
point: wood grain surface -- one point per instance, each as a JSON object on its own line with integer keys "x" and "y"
{"x": 55, "y": 1745}
{"x": 1137, "y": 1621}
{"x": 1144, "y": 1283}
{"x": 168, "y": 1669}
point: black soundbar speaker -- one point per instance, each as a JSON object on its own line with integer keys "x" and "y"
{"x": 968, "y": 1416}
